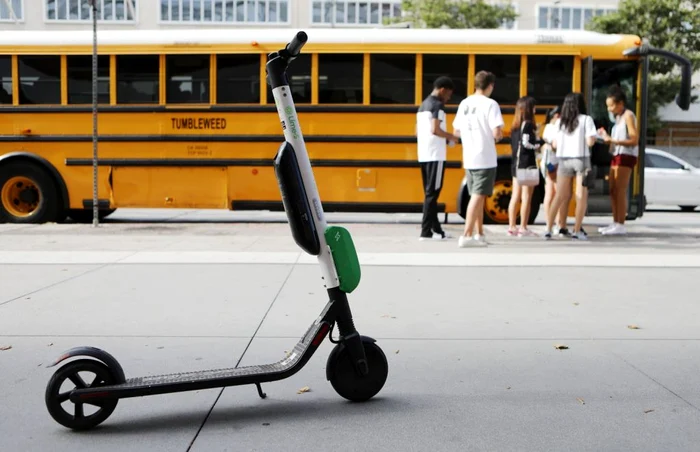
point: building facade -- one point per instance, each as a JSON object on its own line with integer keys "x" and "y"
{"x": 150, "y": 14}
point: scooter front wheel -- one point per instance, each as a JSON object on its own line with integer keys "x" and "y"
{"x": 76, "y": 417}
{"x": 346, "y": 381}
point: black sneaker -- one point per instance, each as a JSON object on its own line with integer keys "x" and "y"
{"x": 564, "y": 232}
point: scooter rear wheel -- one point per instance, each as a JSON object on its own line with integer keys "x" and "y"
{"x": 348, "y": 383}
{"x": 78, "y": 420}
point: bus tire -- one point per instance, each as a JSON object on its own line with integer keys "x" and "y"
{"x": 496, "y": 206}
{"x": 28, "y": 194}
{"x": 85, "y": 215}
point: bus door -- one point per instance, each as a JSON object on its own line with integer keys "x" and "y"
{"x": 597, "y": 76}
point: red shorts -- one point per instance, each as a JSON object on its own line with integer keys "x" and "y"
{"x": 624, "y": 160}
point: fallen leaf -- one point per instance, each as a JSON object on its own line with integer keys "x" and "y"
{"x": 580, "y": 400}
{"x": 266, "y": 423}
{"x": 397, "y": 352}
{"x": 560, "y": 347}
{"x": 647, "y": 411}
{"x": 386, "y": 316}
{"x": 508, "y": 387}
{"x": 304, "y": 389}
{"x": 576, "y": 303}
{"x": 633, "y": 327}
{"x": 5, "y": 347}
{"x": 50, "y": 344}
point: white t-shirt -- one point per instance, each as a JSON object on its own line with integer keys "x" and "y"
{"x": 548, "y": 135}
{"x": 476, "y": 118}
{"x": 573, "y": 145}
{"x": 431, "y": 147}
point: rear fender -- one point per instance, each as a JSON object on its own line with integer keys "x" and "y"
{"x": 99, "y": 355}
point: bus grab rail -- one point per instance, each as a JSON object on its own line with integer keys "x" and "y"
{"x": 683, "y": 96}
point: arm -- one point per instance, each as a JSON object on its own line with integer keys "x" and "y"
{"x": 631, "y": 132}
{"x": 529, "y": 138}
{"x": 590, "y": 132}
{"x": 435, "y": 128}
{"x": 496, "y": 121}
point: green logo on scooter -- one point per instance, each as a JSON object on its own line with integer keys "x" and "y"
{"x": 292, "y": 122}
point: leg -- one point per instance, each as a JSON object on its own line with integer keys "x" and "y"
{"x": 623, "y": 179}
{"x": 476, "y": 206}
{"x": 488, "y": 180}
{"x": 549, "y": 190}
{"x": 437, "y": 188}
{"x": 525, "y": 206}
{"x": 561, "y": 196}
{"x": 513, "y": 205}
{"x": 612, "y": 183}
{"x": 581, "y": 201}
{"x": 430, "y": 182}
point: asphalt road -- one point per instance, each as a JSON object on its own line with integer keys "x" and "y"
{"x": 473, "y": 336}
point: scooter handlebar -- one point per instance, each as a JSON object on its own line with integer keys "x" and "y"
{"x": 295, "y": 45}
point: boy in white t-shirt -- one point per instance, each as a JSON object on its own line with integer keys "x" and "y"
{"x": 480, "y": 125}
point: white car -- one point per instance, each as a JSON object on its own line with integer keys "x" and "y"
{"x": 669, "y": 180}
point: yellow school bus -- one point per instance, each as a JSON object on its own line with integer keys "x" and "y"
{"x": 186, "y": 119}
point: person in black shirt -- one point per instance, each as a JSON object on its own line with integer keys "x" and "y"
{"x": 432, "y": 137}
{"x": 524, "y": 144}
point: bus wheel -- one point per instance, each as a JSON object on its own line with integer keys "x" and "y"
{"x": 85, "y": 215}
{"x": 496, "y": 205}
{"x": 27, "y": 194}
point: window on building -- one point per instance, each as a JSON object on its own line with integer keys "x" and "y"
{"x": 79, "y": 10}
{"x": 225, "y": 11}
{"x": 138, "y": 79}
{"x": 392, "y": 79}
{"x": 299, "y": 76}
{"x": 187, "y": 79}
{"x": 453, "y": 66}
{"x": 5, "y": 80}
{"x": 80, "y": 79}
{"x": 11, "y": 11}
{"x": 568, "y": 17}
{"x": 238, "y": 79}
{"x": 506, "y": 68}
{"x": 340, "y": 78}
{"x": 39, "y": 79}
{"x": 549, "y": 78}
{"x": 353, "y": 12}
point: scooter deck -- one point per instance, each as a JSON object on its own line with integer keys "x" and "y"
{"x": 214, "y": 378}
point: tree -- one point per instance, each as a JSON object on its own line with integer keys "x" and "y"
{"x": 455, "y": 14}
{"x": 667, "y": 24}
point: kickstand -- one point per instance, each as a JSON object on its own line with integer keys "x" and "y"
{"x": 260, "y": 391}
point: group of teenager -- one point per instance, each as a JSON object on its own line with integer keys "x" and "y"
{"x": 562, "y": 148}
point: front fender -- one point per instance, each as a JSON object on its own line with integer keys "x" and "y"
{"x": 99, "y": 355}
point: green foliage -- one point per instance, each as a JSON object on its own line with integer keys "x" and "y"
{"x": 455, "y": 14}
{"x": 667, "y": 24}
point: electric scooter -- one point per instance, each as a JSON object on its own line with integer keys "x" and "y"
{"x": 357, "y": 367}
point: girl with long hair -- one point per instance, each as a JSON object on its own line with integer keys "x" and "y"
{"x": 575, "y": 134}
{"x": 524, "y": 143}
{"x": 623, "y": 142}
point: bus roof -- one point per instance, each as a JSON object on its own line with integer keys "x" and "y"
{"x": 317, "y": 36}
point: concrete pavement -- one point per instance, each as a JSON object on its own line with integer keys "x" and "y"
{"x": 470, "y": 337}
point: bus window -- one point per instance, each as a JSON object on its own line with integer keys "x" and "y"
{"x": 506, "y": 68}
{"x": 453, "y": 66}
{"x": 187, "y": 79}
{"x": 39, "y": 80}
{"x": 392, "y": 79}
{"x": 549, "y": 78}
{"x": 606, "y": 74}
{"x": 238, "y": 79}
{"x": 299, "y": 76}
{"x": 340, "y": 79}
{"x": 5, "y": 80}
{"x": 80, "y": 79}
{"x": 138, "y": 79}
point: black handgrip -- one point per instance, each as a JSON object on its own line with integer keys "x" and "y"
{"x": 294, "y": 47}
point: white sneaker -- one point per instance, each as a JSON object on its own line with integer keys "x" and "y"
{"x": 480, "y": 238}
{"x": 605, "y": 228}
{"x": 617, "y": 229}
{"x": 466, "y": 242}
